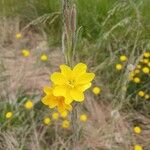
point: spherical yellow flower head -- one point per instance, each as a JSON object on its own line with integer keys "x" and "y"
{"x": 146, "y": 70}
{"x": 139, "y": 66}
{"x": 131, "y": 75}
{"x": 64, "y": 114}
{"x": 25, "y": 53}
{"x": 123, "y": 58}
{"x": 138, "y": 147}
{"x": 9, "y": 115}
{"x": 18, "y": 36}
{"x": 65, "y": 124}
{"x": 145, "y": 61}
{"x": 96, "y": 90}
{"x": 55, "y": 116}
{"x": 136, "y": 71}
{"x": 119, "y": 66}
{"x": 53, "y": 101}
{"x": 147, "y": 54}
{"x": 47, "y": 121}
{"x": 28, "y": 104}
{"x": 83, "y": 117}
{"x": 148, "y": 64}
{"x": 136, "y": 80}
{"x": 137, "y": 130}
{"x": 44, "y": 57}
{"x": 71, "y": 83}
{"x": 147, "y": 96}
{"x": 141, "y": 93}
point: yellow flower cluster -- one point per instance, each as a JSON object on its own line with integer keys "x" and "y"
{"x": 119, "y": 66}
{"x": 68, "y": 86}
{"x": 144, "y": 95}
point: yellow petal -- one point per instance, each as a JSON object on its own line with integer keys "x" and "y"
{"x": 85, "y": 78}
{"x": 45, "y": 100}
{"x": 50, "y": 101}
{"x": 59, "y": 91}
{"x": 48, "y": 90}
{"x": 58, "y": 79}
{"x": 79, "y": 69}
{"x": 77, "y": 95}
{"x": 66, "y": 71}
{"x": 83, "y": 87}
{"x": 68, "y": 98}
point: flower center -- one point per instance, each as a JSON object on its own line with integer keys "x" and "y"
{"x": 71, "y": 83}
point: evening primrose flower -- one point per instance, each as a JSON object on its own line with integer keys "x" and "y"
{"x": 137, "y": 130}
{"x": 55, "y": 116}
{"x": 123, "y": 58}
{"x": 138, "y": 147}
{"x": 25, "y": 53}
{"x": 141, "y": 93}
{"x": 146, "y": 70}
{"x": 28, "y": 104}
{"x": 71, "y": 83}
{"x": 44, "y": 57}
{"x": 119, "y": 66}
{"x": 65, "y": 124}
{"x": 9, "y": 115}
{"x": 47, "y": 121}
{"x": 96, "y": 90}
{"x": 18, "y": 36}
{"x": 136, "y": 80}
{"x": 53, "y": 101}
{"x": 83, "y": 118}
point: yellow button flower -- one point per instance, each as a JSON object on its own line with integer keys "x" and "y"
{"x": 65, "y": 124}
{"x": 147, "y": 54}
{"x": 145, "y": 61}
{"x": 9, "y": 115}
{"x": 137, "y": 130}
{"x": 123, "y": 58}
{"x": 25, "y": 53}
{"x": 148, "y": 64}
{"x": 53, "y": 101}
{"x": 18, "y": 36}
{"x": 71, "y": 83}
{"x": 64, "y": 114}
{"x": 141, "y": 93}
{"x": 119, "y": 66}
{"x": 136, "y": 80}
{"x": 28, "y": 104}
{"x": 47, "y": 121}
{"x": 83, "y": 117}
{"x": 96, "y": 90}
{"x": 138, "y": 147}
{"x": 145, "y": 70}
{"x": 55, "y": 116}
{"x": 147, "y": 96}
{"x": 44, "y": 57}
{"x": 136, "y": 71}
{"x": 139, "y": 66}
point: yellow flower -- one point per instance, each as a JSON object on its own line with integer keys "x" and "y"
{"x": 138, "y": 147}
{"x": 141, "y": 93}
{"x": 64, "y": 114}
{"x": 47, "y": 121}
{"x": 9, "y": 115}
{"x": 53, "y": 101}
{"x": 71, "y": 83}
{"x": 65, "y": 124}
{"x": 28, "y": 104}
{"x": 123, "y": 58}
{"x": 147, "y": 54}
{"x": 18, "y": 36}
{"x": 44, "y": 57}
{"x": 55, "y": 116}
{"x": 147, "y": 96}
{"x": 25, "y": 53}
{"x": 83, "y": 117}
{"x": 139, "y": 66}
{"x": 145, "y": 61}
{"x": 136, "y": 71}
{"x": 136, "y": 80}
{"x": 145, "y": 70}
{"x": 119, "y": 67}
{"x": 96, "y": 90}
{"x": 148, "y": 64}
{"x": 137, "y": 130}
